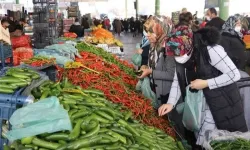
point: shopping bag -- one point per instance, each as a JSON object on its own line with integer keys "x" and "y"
{"x": 136, "y": 59}
{"x": 45, "y": 116}
{"x": 193, "y": 110}
{"x": 144, "y": 86}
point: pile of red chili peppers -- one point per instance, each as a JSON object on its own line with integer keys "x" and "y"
{"x": 117, "y": 86}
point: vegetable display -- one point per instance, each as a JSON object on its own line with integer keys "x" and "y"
{"x": 123, "y": 65}
{"x": 238, "y": 144}
{"x": 39, "y": 61}
{"x": 97, "y": 124}
{"x": 70, "y": 35}
{"x": 16, "y": 78}
{"x": 99, "y": 32}
{"x": 101, "y": 40}
{"x": 117, "y": 86}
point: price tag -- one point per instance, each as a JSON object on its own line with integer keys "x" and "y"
{"x": 115, "y": 50}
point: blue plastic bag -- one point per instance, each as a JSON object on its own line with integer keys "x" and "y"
{"x": 45, "y": 116}
{"x": 192, "y": 110}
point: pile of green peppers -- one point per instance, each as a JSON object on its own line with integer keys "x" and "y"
{"x": 97, "y": 124}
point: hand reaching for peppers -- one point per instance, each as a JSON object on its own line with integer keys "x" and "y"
{"x": 145, "y": 73}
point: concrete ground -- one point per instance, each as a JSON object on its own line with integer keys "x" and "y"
{"x": 129, "y": 43}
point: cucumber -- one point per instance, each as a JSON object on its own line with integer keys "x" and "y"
{"x": 6, "y": 91}
{"x": 8, "y": 79}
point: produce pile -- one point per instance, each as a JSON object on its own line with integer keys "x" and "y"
{"x": 102, "y": 71}
{"x": 97, "y": 124}
{"x": 39, "y": 61}
{"x": 102, "y": 40}
{"x": 70, "y": 35}
{"x": 16, "y": 78}
{"x": 99, "y": 32}
{"x": 238, "y": 144}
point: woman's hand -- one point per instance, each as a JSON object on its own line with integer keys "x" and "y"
{"x": 145, "y": 73}
{"x": 164, "y": 109}
{"x": 199, "y": 84}
{"x": 139, "y": 51}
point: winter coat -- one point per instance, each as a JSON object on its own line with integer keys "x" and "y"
{"x": 118, "y": 26}
{"x": 77, "y": 29}
{"x": 162, "y": 76}
{"x": 235, "y": 49}
{"x": 225, "y": 102}
{"x": 216, "y": 22}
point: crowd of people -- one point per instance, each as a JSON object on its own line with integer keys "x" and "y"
{"x": 16, "y": 28}
{"x": 207, "y": 56}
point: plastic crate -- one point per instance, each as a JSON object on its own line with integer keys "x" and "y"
{"x": 5, "y": 52}
{"x": 8, "y": 104}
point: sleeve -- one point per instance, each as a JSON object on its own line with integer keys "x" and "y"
{"x": 221, "y": 61}
{"x": 175, "y": 91}
{"x": 167, "y": 74}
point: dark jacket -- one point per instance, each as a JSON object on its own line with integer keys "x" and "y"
{"x": 225, "y": 102}
{"x": 235, "y": 49}
{"x": 77, "y": 29}
{"x": 216, "y": 22}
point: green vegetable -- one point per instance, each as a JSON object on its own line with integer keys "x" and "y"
{"x": 76, "y": 131}
{"x": 80, "y": 114}
{"x": 57, "y": 137}
{"x": 104, "y": 115}
{"x": 45, "y": 144}
{"x": 83, "y": 143}
{"x": 92, "y": 132}
{"x": 27, "y": 140}
{"x": 6, "y": 90}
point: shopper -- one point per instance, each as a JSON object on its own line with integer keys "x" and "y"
{"x": 85, "y": 23}
{"x": 5, "y": 23}
{"x": 132, "y": 25}
{"x": 118, "y": 26}
{"x": 137, "y": 27}
{"x": 161, "y": 67}
{"x": 77, "y": 28}
{"x": 232, "y": 42}
{"x": 206, "y": 66}
{"x": 213, "y": 19}
{"x": 126, "y": 25}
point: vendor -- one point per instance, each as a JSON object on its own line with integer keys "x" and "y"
{"x": 77, "y": 28}
{"x": 18, "y": 31}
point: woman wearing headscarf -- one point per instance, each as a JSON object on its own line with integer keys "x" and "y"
{"x": 231, "y": 41}
{"x": 160, "y": 67}
{"x": 204, "y": 65}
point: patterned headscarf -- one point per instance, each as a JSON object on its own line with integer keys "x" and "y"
{"x": 180, "y": 42}
{"x": 163, "y": 27}
{"x": 230, "y": 24}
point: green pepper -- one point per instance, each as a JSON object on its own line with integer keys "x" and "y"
{"x": 92, "y": 132}
{"x": 76, "y": 131}
{"x": 31, "y": 146}
{"x": 6, "y": 147}
{"x": 71, "y": 112}
{"x": 45, "y": 94}
{"x": 98, "y": 118}
{"x": 80, "y": 114}
{"x": 103, "y": 130}
{"x": 128, "y": 115}
{"x": 97, "y": 92}
{"x": 62, "y": 142}
{"x": 66, "y": 107}
{"x": 104, "y": 115}
{"x": 112, "y": 139}
{"x": 27, "y": 140}
{"x": 128, "y": 127}
{"x": 45, "y": 144}
{"x": 57, "y": 136}
{"x": 91, "y": 125}
{"x": 121, "y": 131}
{"x": 83, "y": 143}
{"x": 118, "y": 136}
{"x": 91, "y": 104}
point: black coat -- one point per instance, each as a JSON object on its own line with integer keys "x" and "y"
{"x": 216, "y": 22}
{"x": 225, "y": 102}
{"x": 77, "y": 29}
{"x": 235, "y": 49}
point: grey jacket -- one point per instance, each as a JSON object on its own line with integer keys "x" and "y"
{"x": 163, "y": 76}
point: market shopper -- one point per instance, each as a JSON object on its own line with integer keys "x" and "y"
{"x": 118, "y": 26}
{"x": 161, "y": 67}
{"x": 213, "y": 19}
{"x": 85, "y": 23}
{"x": 5, "y": 24}
{"x": 204, "y": 65}
{"x": 231, "y": 41}
{"x": 77, "y": 28}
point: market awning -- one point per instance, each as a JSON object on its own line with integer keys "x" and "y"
{"x": 83, "y": 0}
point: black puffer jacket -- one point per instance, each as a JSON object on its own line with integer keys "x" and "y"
{"x": 235, "y": 49}
{"x": 77, "y": 29}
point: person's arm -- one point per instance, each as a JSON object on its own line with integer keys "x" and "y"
{"x": 169, "y": 73}
{"x": 175, "y": 91}
{"x": 221, "y": 61}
